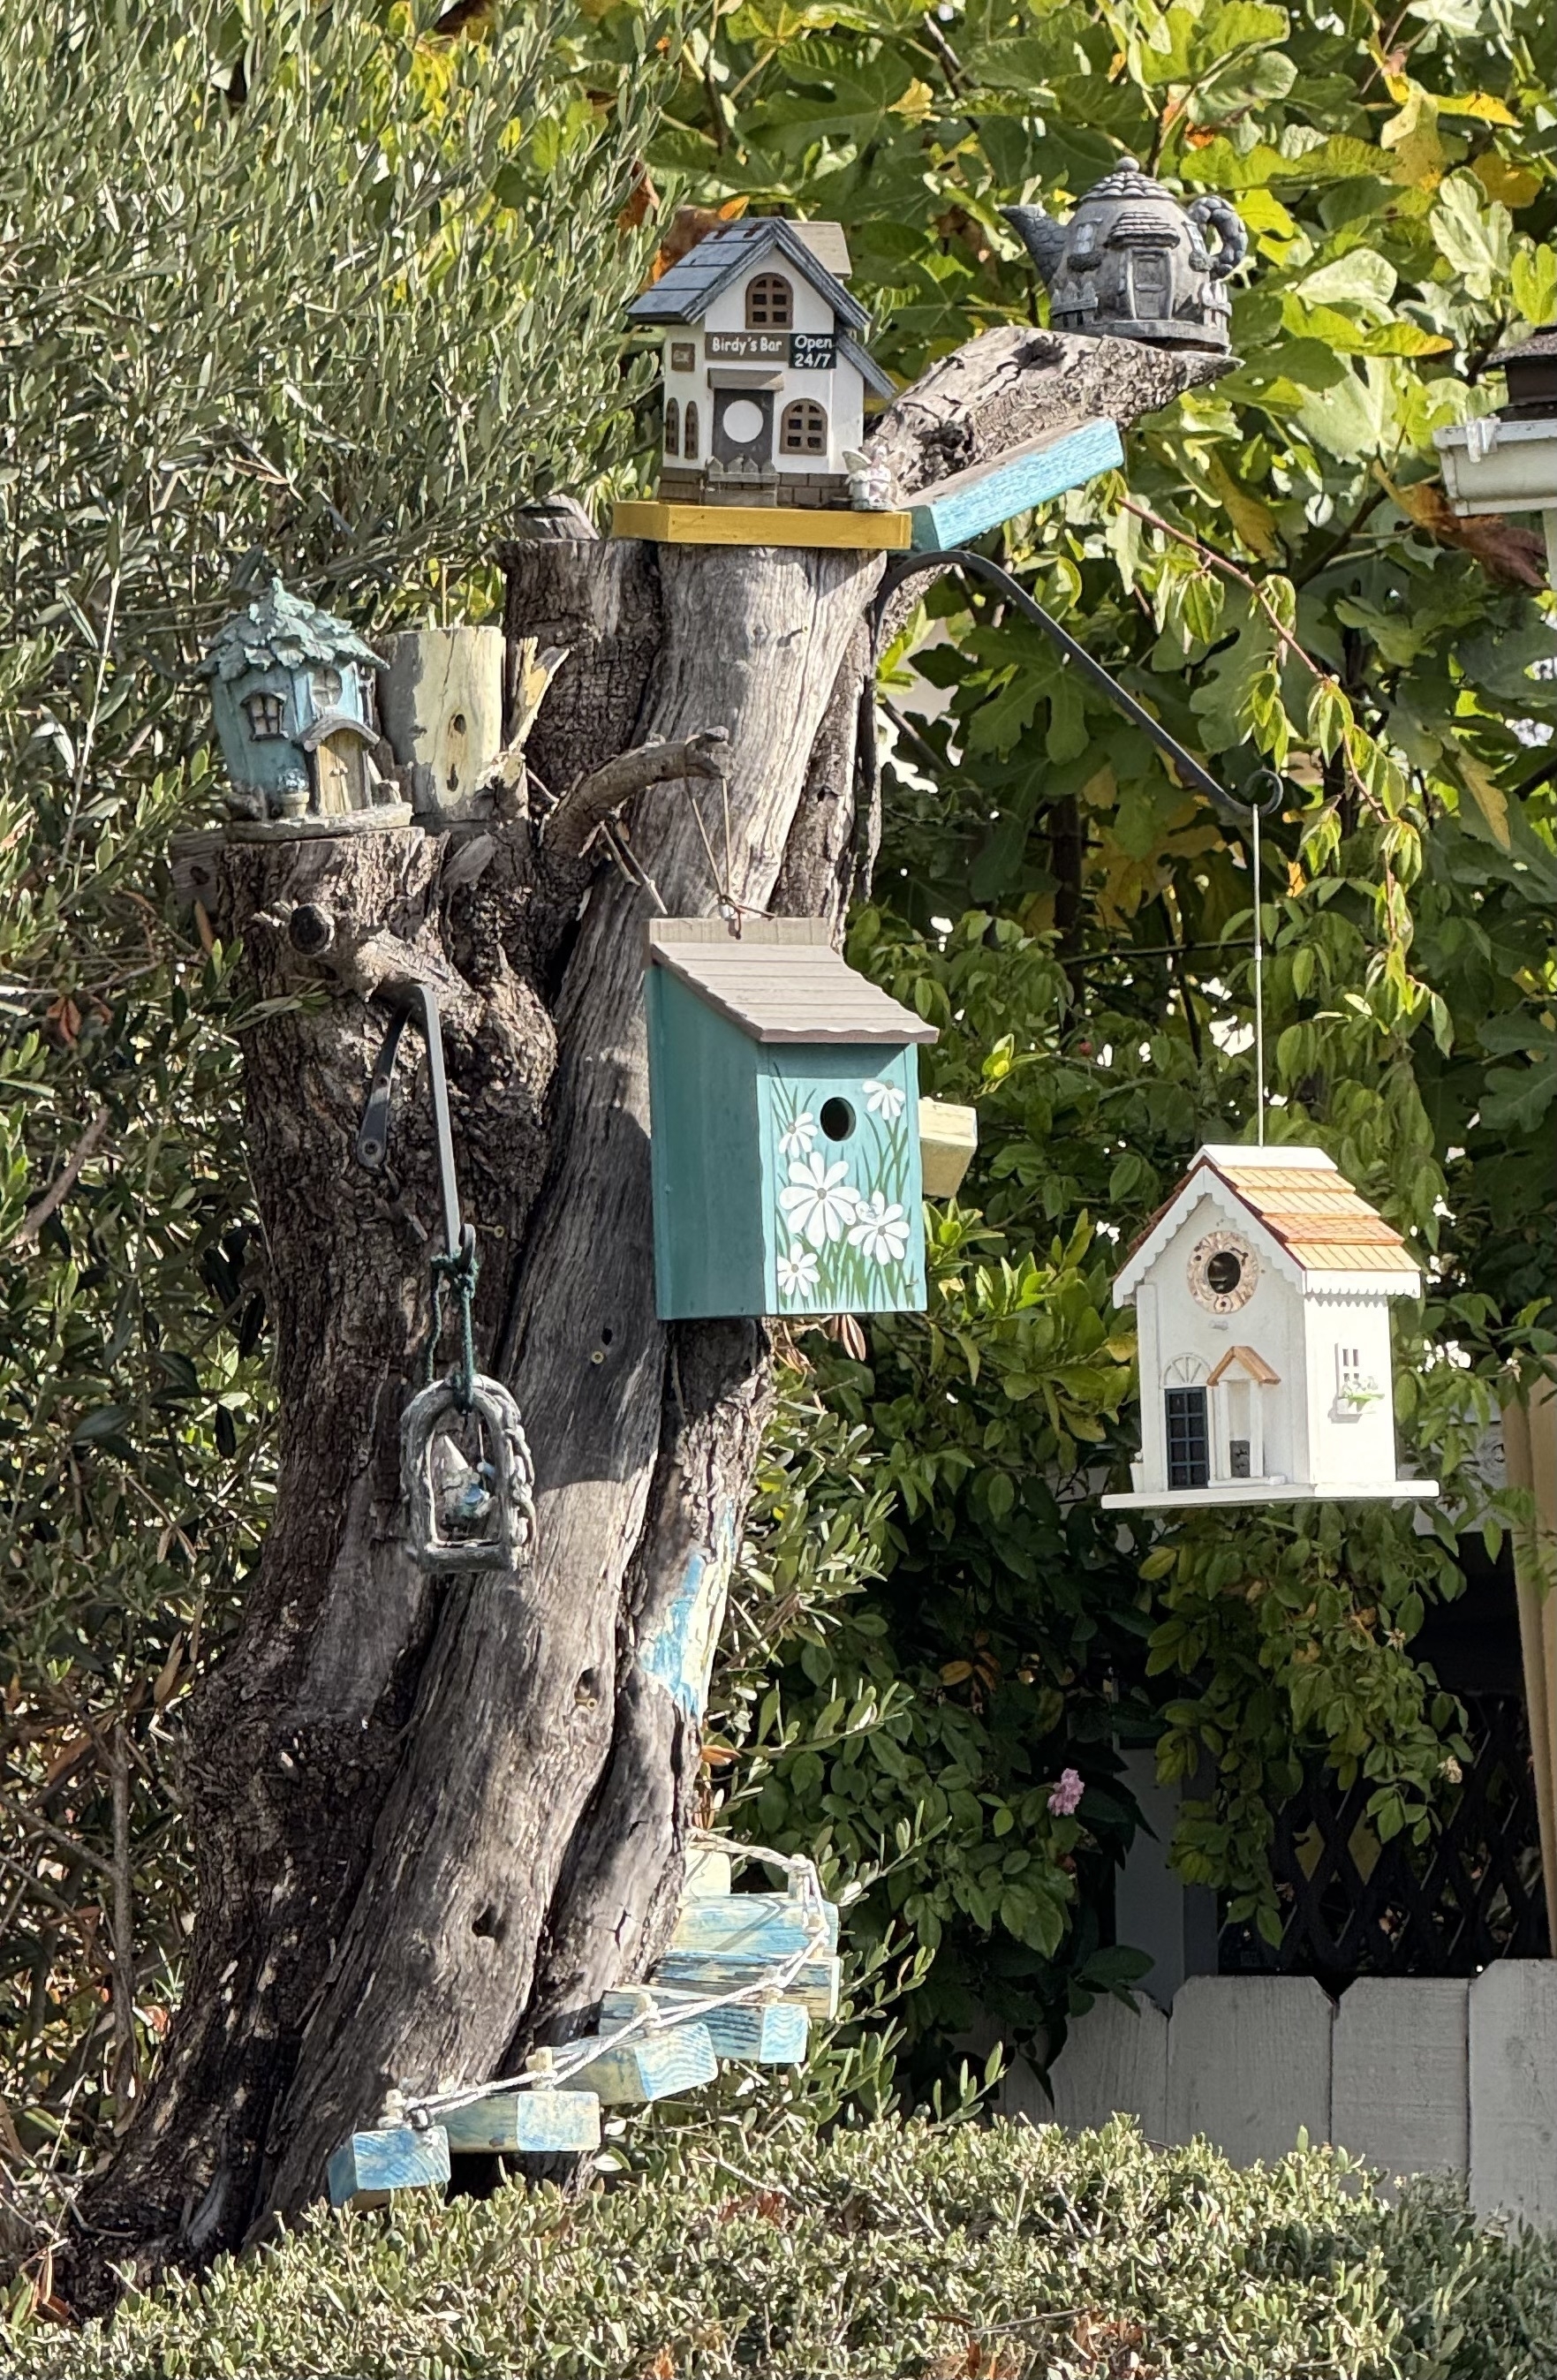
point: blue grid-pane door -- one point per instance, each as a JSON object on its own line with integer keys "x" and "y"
{"x": 1189, "y": 1453}
{"x": 844, "y": 1226}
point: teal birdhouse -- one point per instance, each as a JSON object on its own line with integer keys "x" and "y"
{"x": 783, "y": 1091}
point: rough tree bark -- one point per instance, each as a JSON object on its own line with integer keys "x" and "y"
{"x": 432, "y": 1823}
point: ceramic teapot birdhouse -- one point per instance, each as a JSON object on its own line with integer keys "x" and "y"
{"x": 783, "y": 1091}
{"x": 1132, "y": 262}
{"x": 292, "y": 694}
{"x": 1262, "y": 1291}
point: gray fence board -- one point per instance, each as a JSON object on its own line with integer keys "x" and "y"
{"x": 1400, "y": 2079}
{"x": 1248, "y": 2063}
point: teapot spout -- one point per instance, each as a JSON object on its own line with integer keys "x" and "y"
{"x": 1043, "y": 239}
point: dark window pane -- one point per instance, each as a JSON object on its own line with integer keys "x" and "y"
{"x": 1188, "y": 1439}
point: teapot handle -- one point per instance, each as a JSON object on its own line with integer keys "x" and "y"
{"x": 1233, "y": 240}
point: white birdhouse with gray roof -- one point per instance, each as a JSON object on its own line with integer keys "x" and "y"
{"x": 1262, "y": 1292}
{"x": 765, "y": 372}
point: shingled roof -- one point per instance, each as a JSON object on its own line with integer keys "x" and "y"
{"x": 782, "y": 982}
{"x": 685, "y": 293}
{"x": 1305, "y": 1202}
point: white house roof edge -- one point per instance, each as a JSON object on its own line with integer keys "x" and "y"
{"x": 1189, "y": 1193}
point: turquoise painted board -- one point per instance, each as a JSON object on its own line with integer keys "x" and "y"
{"x": 967, "y": 503}
{"x": 397, "y": 2157}
{"x": 772, "y": 1924}
{"x": 843, "y": 1229}
{"x": 651, "y": 2066}
{"x": 705, "y": 1156}
{"x": 713, "y": 1972}
{"x": 763, "y": 2032}
{"x": 525, "y": 2123}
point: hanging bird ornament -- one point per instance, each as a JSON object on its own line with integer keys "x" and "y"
{"x": 1133, "y": 263}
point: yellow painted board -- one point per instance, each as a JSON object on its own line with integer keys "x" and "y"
{"x": 761, "y": 525}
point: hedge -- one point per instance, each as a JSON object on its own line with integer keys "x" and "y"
{"x": 1003, "y": 2253}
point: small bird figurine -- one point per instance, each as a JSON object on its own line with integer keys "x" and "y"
{"x": 463, "y": 1490}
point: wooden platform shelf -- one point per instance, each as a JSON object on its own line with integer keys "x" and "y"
{"x": 650, "y": 2066}
{"x": 759, "y": 2033}
{"x": 761, "y": 525}
{"x": 365, "y": 2168}
{"x": 525, "y": 2123}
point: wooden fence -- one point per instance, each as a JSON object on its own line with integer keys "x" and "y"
{"x": 1415, "y": 2076}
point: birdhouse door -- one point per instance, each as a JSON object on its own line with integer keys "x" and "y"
{"x": 743, "y": 425}
{"x": 843, "y": 1231}
{"x": 338, "y": 774}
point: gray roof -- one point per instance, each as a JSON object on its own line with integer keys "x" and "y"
{"x": 782, "y": 981}
{"x": 689, "y": 289}
{"x": 866, "y": 365}
{"x": 285, "y": 630}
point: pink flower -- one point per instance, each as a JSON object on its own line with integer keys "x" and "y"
{"x": 1066, "y": 1799}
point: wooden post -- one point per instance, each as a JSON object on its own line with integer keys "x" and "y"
{"x": 441, "y": 703}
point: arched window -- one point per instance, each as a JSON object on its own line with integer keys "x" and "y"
{"x": 672, "y": 427}
{"x": 803, "y": 430}
{"x": 770, "y": 303}
{"x": 689, "y": 435}
{"x": 265, "y": 715}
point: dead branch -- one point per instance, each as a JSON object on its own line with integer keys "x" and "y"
{"x": 601, "y": 795}
{"x": 64, "y": 1181}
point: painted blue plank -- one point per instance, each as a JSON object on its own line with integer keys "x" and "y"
{"x": 651, "y": 2066}
{"x": 815, "y": 1987}
{"x": 395, "y": 2156}
{"x": 774, "y": 1925}
{"x": 526, "y": 2123}
{"x": 770, "y": 2033}
{"x": 971, "y": 501}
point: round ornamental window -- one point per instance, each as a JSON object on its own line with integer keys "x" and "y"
{"x": 743, "y": 421}
{"x": 1224, "y": 1272}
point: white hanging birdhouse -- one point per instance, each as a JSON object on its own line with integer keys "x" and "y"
{"x": 1262, "y": 1291}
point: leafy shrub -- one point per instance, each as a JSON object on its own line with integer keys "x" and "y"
{"x": 999, "y": 2254}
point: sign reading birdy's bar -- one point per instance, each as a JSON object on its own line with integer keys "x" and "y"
{"x": 803, "y": 350}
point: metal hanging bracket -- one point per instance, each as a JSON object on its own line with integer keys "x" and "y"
{"x": 464, "y": 1515}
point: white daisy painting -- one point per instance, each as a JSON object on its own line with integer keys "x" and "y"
{"x": 818, "y": 1201}
{"x": 797, "y": 1271}
{"x": 880, "y": 1229}
{"x": 800, "y": 1136}
{"x": 843, "y": 1233}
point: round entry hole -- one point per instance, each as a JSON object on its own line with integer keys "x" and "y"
{"x": 837, "y": 1119}
{"x": 1224, "y": 1272}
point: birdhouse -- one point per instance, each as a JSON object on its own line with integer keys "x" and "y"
{"x": 784, "y": 1091}
{"x": 1262, "y": 1294}
{"x": 1133, "y": 263}
{"x": 765, "y": 373}
{"x": 292, "y": 693}
{"x": 1506, "y": 462}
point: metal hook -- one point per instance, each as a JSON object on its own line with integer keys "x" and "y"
{"x": 372, "y": 1135}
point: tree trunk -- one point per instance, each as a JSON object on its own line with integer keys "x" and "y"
{"x": 432, "y": 1822}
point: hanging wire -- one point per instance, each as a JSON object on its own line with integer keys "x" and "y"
{"x": 1259, "y": 992}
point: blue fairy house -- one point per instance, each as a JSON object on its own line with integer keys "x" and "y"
{"x": 783, "y": 1092}
{"x": 292, "y": 691}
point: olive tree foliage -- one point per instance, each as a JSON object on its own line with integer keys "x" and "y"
{"x": 1276, "y": 575}
{"x": 281, "y": 287}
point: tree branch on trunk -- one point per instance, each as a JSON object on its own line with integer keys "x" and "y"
{"x": 602, "y": 793}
